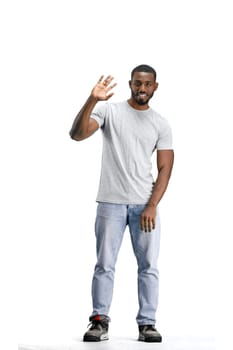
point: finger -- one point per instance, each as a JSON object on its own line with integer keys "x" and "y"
{"x": 145, "y": 224}
{"x": 100, "y": 79}
{"x": 149, "y": 225}
{"x": 142, "y": 223}
{"x": 111, "y": 86}
{"x": 110, "y": 95}
{"x": 153, "y": 223}
{"x": 108, "y": 80}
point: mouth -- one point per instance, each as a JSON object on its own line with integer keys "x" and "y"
{"x": 142, "y": 94}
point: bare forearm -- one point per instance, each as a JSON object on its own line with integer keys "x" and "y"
{"x": 165, "y": 161}
{"x": 80, "y": 125}
{"x": 159, "y": 187}
{"x": 148, "y": 216}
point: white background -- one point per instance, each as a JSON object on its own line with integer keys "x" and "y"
{"x": 52, "y": 53}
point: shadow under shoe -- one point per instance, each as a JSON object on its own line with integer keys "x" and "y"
{"x": 98, "y": 330}
{"x": 149, "y": 333}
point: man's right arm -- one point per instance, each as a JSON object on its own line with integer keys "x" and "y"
{"x": 84, "y": 126}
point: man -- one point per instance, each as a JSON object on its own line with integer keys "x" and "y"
{"x": 127, "y": 193}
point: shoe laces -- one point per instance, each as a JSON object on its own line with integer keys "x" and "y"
{"x": 93, "y": 324}
{"x": 97, "y": 324}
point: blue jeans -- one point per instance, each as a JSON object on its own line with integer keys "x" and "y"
{"x": 111, "y": 222}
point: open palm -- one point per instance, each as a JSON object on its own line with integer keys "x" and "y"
{"x": 102, "y": 88}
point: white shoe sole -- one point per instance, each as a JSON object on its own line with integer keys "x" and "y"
{"x": 96, "y": 339}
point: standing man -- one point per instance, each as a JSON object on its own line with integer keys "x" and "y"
{"x": 127, "y": 194}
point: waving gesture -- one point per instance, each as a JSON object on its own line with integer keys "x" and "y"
{"x": 102, "y": 88}
{"x": 84, "y": 126}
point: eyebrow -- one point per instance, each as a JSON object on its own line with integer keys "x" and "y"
{"x": 139, "y": 81}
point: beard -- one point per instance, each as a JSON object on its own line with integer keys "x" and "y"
{"x": 140, "y": 100}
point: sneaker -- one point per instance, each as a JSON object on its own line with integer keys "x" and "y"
{"x": 98, "y": 330}
{"x": 148, "y": 333}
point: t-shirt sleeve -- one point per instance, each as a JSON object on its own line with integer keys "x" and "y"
{"x": 165, "y": 136}
{"x": 99, "y": 114}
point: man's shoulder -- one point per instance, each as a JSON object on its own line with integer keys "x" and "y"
{"x": 110, "y": 105}
{"x": 155, "y": 115}
{"x": 118, "y": 104}
{"x": 160, "y": 121}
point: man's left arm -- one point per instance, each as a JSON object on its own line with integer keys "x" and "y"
{"x": 165, "y": 159}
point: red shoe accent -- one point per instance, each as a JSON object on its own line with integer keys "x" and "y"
{"x": 96, "y": 318}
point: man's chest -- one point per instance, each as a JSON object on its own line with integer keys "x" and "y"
{"x": 138, "y": 133}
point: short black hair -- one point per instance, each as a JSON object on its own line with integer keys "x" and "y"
{"x": 143, "y": 68}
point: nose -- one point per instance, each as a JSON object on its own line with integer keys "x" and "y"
{"x": 142, "y": 88}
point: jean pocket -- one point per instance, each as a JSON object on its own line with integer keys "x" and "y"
{"x": 110, "y": 209}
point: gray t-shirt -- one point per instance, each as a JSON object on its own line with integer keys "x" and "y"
{"x": 130, "y": 136}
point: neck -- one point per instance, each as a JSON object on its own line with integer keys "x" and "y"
{"x": 135, "y": 105}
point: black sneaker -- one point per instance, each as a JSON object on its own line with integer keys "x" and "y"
{"x": 98, "y": 330}
{"x": 148, "y": 333}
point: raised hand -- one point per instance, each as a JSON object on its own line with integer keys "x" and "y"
{"x": 102, "y": 88}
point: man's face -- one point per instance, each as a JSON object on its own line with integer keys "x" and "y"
{"x": 142, "y": 87}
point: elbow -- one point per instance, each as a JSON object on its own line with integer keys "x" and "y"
{"x": 74, "y": 136}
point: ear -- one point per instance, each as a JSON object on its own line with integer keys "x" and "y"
{"x": 156, "y": 86}
{"x": 130, "y": 83}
